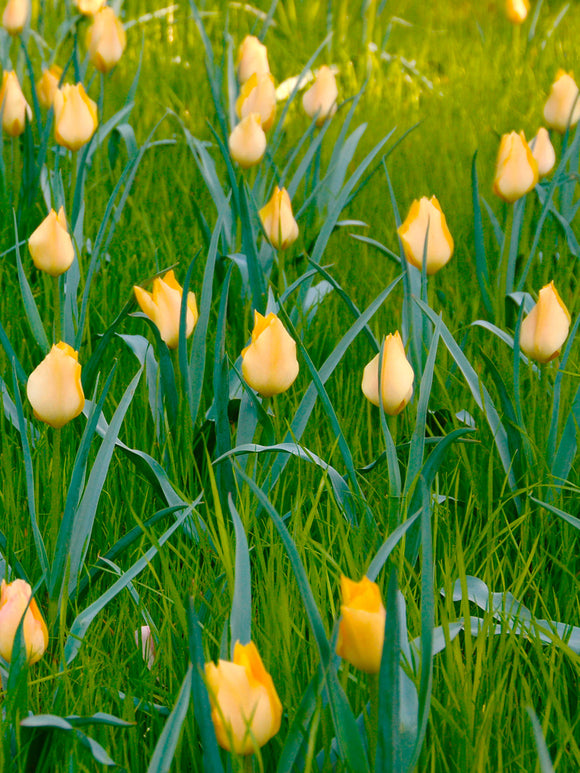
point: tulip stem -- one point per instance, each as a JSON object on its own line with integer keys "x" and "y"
{"x": 55, "y": 498}
{"x": 57, "y": 325}
{"x": 373, "y": 718}
{"x": 248, "y": 766}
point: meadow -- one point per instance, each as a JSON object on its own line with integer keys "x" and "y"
{"x": 174, "y": 503}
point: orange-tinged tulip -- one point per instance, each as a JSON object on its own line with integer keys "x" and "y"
{"x": 89, "y": 7}
{"x": 54, "y": 388}
{"x": 258, "y": 95}
{"x": 75, "y": 116}
{"x": 543, "y": 151}
{"x": 106, "y": 40}
{"x": 163, "y": 306}
{"x": 396, "y": 379}
{"x": 14, "y": 598}
{"x": 47, "y": 85}
{"x": 516, "y": 171}
{"x": 361, "y": 631}
{"x": 517, "y": 10}
{"x": 15, "y": 16}
{"x": 15, "y": 108}
{"x": 245, "y": 707}
{"x": 247, "y": 142}
{"x": 544, "y": 330}
{"x": 562, "y": 108}
{"x": 278, "y": 220}
{"x": 50, "y": 245}
{"x": 269, "y": 363}
{"x": 426, "y": 213}
{"x": 252, "y": 59}
{"x": 320, "y": 99}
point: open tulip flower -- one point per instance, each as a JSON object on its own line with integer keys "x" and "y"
{"x": 75, "y": 116}
{"x": 516, "y": 171}
{"x": 51, "y": 246}
{"x": 14, "y": 600}
{"x": 89, "y": 7}
{"x": 247, "y": 142}
{"x": 278, "y": 220}
{"x": 245, "y": 707}
{"x": 396, "y": 380}
{"x": 544, "y": 330}
{"x": 15, "y": 108}
{"x": 47, "y": 85}
{"x": 562, "y": 108}
{"x": 106, "y": 40}
{"x": 15, "y": 16}
{"x": 320, "y": 99}
{"x": 54, "y": 388}
{"x": 517, "y": 10}
{"x": 252, "y": 59}
{"x": 426, "y": 214}
{"x": 361, "y": 631}
{"x": 258, "y": 95}
{"x": 543, "y": 151}
{"x": 163, "y": 306}
{"x": 269, "y": 363}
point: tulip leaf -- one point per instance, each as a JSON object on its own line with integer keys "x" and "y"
{"x": 389, "y": 545}
{"x": 543, "y": 753}
{"x": 221, "y": 389}
{"x": 481, "y": 269}
{"x": 571, "y": 519}
{"x": 556, "y": 400}
{"x": 568, "y": 443}
{"x": 166, "y": 745}
{"x": 241, "y": 615}
{"x": 300, "y": 728}
{"x": 46, "y": 721}
{"x": 30, "y": 306}
{"x": 514, "y": 246}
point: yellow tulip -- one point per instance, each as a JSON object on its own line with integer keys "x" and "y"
{"x": 163, "y": 306}
{"x": 50, "y": 245}
{"x": 413, "y": 232}
{"x": 89, "y": 7}
{"x": 258, "y": 95}
{"x": 544, "y": 330}
{"x": 361, "y": 631}
{"x": 47, "y": 85}
{"x": 15, "y": 16}
{"x": 562, "y": 108}
{"x": 245, "y": 707}
{"x": 543, "y": 151}
{"x": 252, "y": 58}
{"x": 54, "y": 388}
{"x": 516, "y": 171}
{"x": 278, "y": 220}
{"x": 14, "y": 598}
{"x": 15, "y": 108}
{"x": 269, "y": 363}
{"x": 247, "y": 142}
{"x": 517, "y": 10}
{"x": 320, "y": 99}
{"x": 396, "y": 379}
{"x": 106, "y": 40}
{"x": 75, "y": 116}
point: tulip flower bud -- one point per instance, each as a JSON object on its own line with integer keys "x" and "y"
{"x": 47, "y": 85}
{"x": 278, "y": 220}
{"x": 163, "y": 306}
{"x": 424, "y": 214}
{"x": 252, "y": 59}
{"x": 89, "y": 7}
{"x": 75, "y": 116}
{"x": 361, "y": 631}
{"x": 106, "y": 40}
{"x": 15, "y": 16}
{"x": 15, "y": 108}
{"x": 517, "y": 10}
{"x": 562, "y": 109}
{"x": 320, "y": 99}
{"x": 396, "y": 379}
{"x": 54, "y": 388}
{"x": 144, "y": 637}
{"x": 51, "y": 246}
{"x": 247, "y": 142}
{"x": 543, "y": 151}
{"x": 245, "y": 707}
{"x": 516, "y": 171}
{"x": 258, "y": 95}
{"x": 14, "y": 598}
{"x": 544, "y": 330}
{"x": 269, "y": 363}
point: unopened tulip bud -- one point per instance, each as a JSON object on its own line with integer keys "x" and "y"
{"x": 106, "y": 40}
{"x": 14, "y": 600}
{"x": 320, "y": 99}
{"x": 245, "y": 707}
{"x": 15, "y": 16}
{"x": 75, "y": 116}
{"x": 15, "y": 108}
{"x": 361, "y": 631}
{"x": 258, "y": 95}
{"x": 562, "y": 109}
{"x": 269, "y": 363}
{"x": 144, "y": 637}
{"x": 545, "y": 329}
{"x": 247, "y": 142}
{"x": 89, "y": 7}
{"x": 396, "y": 378}
{"x": 424, "y": 215}
{"x": 516, "y": 171}
{"x": 163, "y": 306}
{"x": 543, "y": 151}
{"x": 47, "y": 85}
{"x": 517, "y": 10}
{"x": 252, "y": 59}
{"x": 278, "y": 220}
{"x": 54, "y": 388}
{"x": 50, "y": 245}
